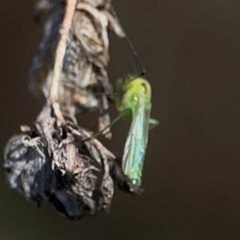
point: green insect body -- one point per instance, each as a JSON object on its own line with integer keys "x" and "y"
{"x": 136, "y": 101}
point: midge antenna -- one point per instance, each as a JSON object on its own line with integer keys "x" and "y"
{"x": 143, "y": 70}
{"x": 136, "y": 57}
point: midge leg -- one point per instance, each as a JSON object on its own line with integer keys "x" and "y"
{"x": 121, "y": 115}
{"x": 118, "y": 104}
{"x": 153, "y": 123}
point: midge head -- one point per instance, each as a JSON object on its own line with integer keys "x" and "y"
{"x": 138, "y": 86}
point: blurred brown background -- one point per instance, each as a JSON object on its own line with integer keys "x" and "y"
{"x": 191, "y": 50}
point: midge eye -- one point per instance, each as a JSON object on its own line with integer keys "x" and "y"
{"x": 144, "y": 86}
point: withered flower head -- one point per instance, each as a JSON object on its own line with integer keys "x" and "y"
{"x": 61, "y": 163}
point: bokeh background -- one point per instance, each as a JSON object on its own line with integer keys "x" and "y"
{"x": 191, "y": 50}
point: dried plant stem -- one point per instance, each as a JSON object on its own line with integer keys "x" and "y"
{"x": 61, "y": 49}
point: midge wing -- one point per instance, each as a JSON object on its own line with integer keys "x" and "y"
{"x": 136, "y": 143}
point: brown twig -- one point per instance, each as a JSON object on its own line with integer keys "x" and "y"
{"x": 61, "y": 49}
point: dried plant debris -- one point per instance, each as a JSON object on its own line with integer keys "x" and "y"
{"x": 84, "y": 83}
{"x": 55, "y": 159}
{"x": 59, "y": 162}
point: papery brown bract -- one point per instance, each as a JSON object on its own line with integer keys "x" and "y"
{"x": 84, "y": 83}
